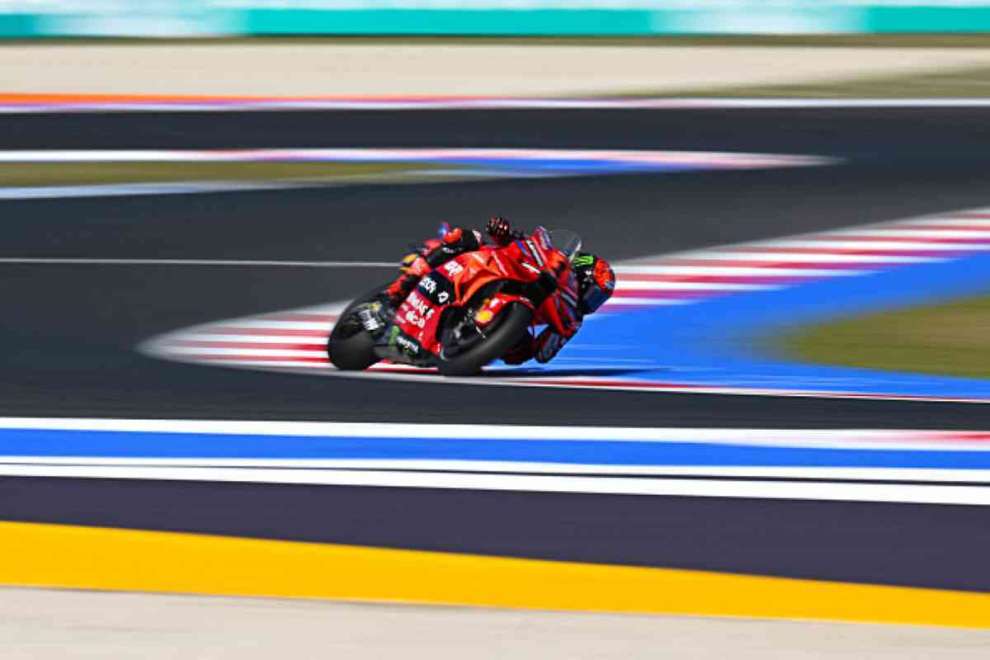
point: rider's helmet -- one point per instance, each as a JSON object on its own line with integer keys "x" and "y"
{"x": 596, "y": 281}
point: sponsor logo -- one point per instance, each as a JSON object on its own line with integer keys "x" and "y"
{"x": 428, "y": 284}
{"x": 452, "y": 268}
{"x": 584, "y": 260}
{"x": 436, "y": 288}
{"x": 408, "y": 345}
{"x": 415, "y": 319}
{"x": 421, "y": 306}
{"x": 402, "y": 342}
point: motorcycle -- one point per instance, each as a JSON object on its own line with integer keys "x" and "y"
{"x": 463, "y": 314}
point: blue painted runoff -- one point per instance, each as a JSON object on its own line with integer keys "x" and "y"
{"x": 96, "y": 444}
{"x": 723, "y": 341}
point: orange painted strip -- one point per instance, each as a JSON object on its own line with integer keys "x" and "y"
{"x": 60, "y": 98}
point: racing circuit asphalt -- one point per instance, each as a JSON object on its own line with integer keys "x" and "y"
{"x": 67, "y": 334}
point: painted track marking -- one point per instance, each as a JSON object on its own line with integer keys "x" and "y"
{"x": 941, "y": 467}
{"x": 65, "y": 103}
{"x": 675, "y": 279}
{"x": 459, "y": 162}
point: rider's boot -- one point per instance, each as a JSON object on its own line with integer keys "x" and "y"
{"x": 413, "y": 267}
{"x": 434, "y": 253}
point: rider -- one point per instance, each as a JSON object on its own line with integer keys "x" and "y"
{"x": 582, "y": 289}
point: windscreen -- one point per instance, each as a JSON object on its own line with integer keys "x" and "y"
{"x": 566, "y": 241}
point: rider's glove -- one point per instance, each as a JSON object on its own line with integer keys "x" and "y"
{"x": 499, "y": 229}
{"x": 540, "y": 289}
{"x": 547, "y": 282}
{"x": 455, "y": 242}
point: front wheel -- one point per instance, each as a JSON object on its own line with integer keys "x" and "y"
{"x": 512, "y": 323}
{"x": 349, "y": 346}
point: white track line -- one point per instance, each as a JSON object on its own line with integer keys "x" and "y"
{"x": 867, "y": 246}
{"x": 260, "y": 324}
{"x": 656, "y": 158}
{"x": 254, "y": 339}
{"x": 480, "y": 103}
{"x": 629, "y": 285}
{"x": 907, "y": 232}
{"x": 856, "y": 492}
{"x": 755, "y": 255}
{"x": 734, "y": 271}
{"x": 978, "y": 476}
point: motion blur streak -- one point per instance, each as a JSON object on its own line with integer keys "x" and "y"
{"x": 70, "y": 330}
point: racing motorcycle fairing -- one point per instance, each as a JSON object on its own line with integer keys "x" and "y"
{"x": 461, "y": 303}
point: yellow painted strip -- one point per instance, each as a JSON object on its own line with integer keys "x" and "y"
{"x": 96, "y": 558}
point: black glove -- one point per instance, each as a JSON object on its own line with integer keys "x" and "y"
{"x": 540, "y": 289}
{"x": 499, "y": 229}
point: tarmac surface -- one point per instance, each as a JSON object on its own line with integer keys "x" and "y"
{"x": 69, "y": 333}
{"x": 44, "y": 624}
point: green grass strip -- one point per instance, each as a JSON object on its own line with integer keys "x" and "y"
{"x": 949, "y": 339}
{"x": 61, "y": 174}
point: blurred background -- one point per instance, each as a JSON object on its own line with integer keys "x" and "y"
{"x": 177, "y": 18}
{"x": 776, "y": 429}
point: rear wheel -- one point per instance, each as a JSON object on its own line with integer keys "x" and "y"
{"x": 468, "y": 357}
{"x": 350, "y": 347}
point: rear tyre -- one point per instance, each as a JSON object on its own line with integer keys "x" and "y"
{"x": 349, "y": 346}
{"x": 514, "y": 322}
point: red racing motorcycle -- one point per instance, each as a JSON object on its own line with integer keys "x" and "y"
{"x": 463, "y": 314}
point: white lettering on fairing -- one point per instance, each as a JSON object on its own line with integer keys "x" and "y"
{"x": 452, "y": 268}
{"x": 428, "y": 284}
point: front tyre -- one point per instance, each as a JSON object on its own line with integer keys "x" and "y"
{"x": 513, "y": 323}
{"x": 349, "y": 346}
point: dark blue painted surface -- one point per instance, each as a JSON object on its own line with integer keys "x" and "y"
{"x": 94, "y": 444}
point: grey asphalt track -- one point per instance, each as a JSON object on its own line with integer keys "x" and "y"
{"x": 909, "y": 545}
{"x": 67, "y": 333}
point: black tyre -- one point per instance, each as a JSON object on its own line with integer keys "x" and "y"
{"x": 514, "y": 321}
{"x": 349, "y": 346}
